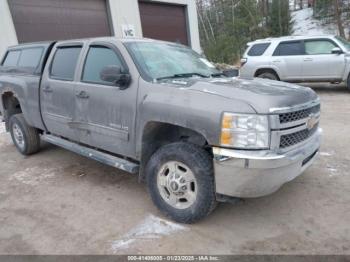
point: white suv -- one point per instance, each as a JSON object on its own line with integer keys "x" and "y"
{"x": 298, "y": 59}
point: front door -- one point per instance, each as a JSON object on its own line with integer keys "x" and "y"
{"x": 319, "y": 63}
{"x": 57, "y": 92}
{"x": 105, "y": 114}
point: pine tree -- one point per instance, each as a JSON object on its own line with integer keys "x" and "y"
{"x": 227, "y": 25}
{"x": 280, "y": 19}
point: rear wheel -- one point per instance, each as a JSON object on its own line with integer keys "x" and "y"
{"x": 181, "y": 182}
{"x": 268, "y": 75}
{"x": 25, "y": 137}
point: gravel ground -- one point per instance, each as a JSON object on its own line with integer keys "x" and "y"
{"x": 57, "y": 202}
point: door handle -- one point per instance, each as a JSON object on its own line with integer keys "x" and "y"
{"x": 308, "y": 59}
{"x": 83, "y": 95}
{"x": 276, "y": 61}
{"x": 47, "y": 89}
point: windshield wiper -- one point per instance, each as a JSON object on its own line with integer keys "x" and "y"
{"x": 184, "y": 75}
{"x": 217, "y": 74}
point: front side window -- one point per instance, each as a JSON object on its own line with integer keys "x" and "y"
{"x": 166, "y": 60}
{"x": 64, "y": 63}
{"x": 30, "y": 57}
{"x": 12, "y": 58}
{"x": 319, "y": 47}
{"x": 258, "y": 49}
{"x": 289, "y": 49}
{"x": 98, "y": 58}
{"x": 344, "y": 42}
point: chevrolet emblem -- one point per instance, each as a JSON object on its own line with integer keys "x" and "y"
{"x": 311, "y": 122}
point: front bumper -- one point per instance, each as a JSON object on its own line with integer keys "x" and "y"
{"x": 247, "y": 174}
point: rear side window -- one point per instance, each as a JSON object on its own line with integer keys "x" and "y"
{"x": 64, "y": 63}
{"x": 289, "y": 49}
{"x": 30, "y": 57}
{"x": 258, "y": 49}
{"x": 12, "y": 58}
{"x": 98, "y": 58}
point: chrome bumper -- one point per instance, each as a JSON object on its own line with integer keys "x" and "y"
{"x": 247, "y": 174}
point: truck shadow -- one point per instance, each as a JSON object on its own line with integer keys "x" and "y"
{"x": 327, "y": 88}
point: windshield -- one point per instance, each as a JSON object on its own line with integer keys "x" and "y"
{"x": 158, "y": 60}
{"x": 345, "y": 43}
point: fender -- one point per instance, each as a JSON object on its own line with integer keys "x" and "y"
{"x": 347, "y": 68}
{"x": 185, "y": 108}
{"x": 269, "y": 67}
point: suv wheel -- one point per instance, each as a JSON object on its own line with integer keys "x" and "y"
{"x": 25, "y": 137}
{"x": 180, "y": 180}
{"x": 348, "y": 83}
{"x": 268, "y": 75}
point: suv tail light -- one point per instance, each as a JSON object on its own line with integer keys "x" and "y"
{"x": 244, "y": 61}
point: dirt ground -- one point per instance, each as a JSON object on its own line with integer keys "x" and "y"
{"x": 57, "y": 202}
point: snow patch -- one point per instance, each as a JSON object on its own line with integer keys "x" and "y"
{"x": 33, "y": 176}
{"x": 151, "y": 227}
{"x": 2, "y": 128}
{"x": 333, "y": 171}
{"x": 326, "y": 153}
{"x": 305, "y": 24}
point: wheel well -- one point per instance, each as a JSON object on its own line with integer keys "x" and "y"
{"x": 266, "y": 70}
{"x": 11, "y": 106}
{"x": 157, "y": 134}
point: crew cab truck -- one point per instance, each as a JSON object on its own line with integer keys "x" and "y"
{"x": 161, "y": 111}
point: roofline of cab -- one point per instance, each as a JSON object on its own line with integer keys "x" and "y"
{"x": 83, "y": 40}
{"x": 29, "y": 45}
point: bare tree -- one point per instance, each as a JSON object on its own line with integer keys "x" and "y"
{"x": 338, "y": 17}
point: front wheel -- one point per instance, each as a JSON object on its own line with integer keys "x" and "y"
{"x": 180, "y": 180}
{"x": 348, "y": 83}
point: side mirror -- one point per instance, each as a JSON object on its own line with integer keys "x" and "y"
{"x": 337, "y": 51}
{"x": 231, "y": 72}
{"x": 115, "y": 75}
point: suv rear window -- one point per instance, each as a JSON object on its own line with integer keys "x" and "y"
{"x": 64, "y": 63}
{"x": 258, "y": 49}
{"x": 12, "y": 58}
{"x": 289, "y": 49}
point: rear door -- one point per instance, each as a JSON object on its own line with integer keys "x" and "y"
{"x": 105, "y": 114}
{"x": 288, "y": 58}
{"x": 319, "y": 63}
{"x": 58, "y": 90}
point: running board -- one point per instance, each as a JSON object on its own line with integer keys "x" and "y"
{"x": 104, "y": 158}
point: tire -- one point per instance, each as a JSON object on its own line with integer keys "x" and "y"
{"x": 268, "y": 75}
{"x": 191, "y": 163}
{"x": 25, "y": 137}
{"x": 348, "y": 83}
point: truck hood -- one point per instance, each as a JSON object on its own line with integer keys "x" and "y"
{"x": 261, "y": 94}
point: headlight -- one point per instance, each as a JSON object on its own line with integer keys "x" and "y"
{"x": 245, "y": 131}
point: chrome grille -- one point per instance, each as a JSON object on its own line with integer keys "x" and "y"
{"x": 298, "y": 115}
{"x": 297, "y": 137}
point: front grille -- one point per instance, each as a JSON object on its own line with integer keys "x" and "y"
{"x": 297, "y": 137}
{"x": 298, "y": 115}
